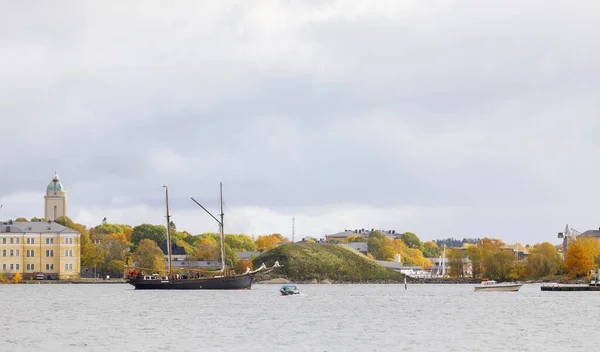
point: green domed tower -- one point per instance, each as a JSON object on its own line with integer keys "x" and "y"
{"x": 55, "y": 201}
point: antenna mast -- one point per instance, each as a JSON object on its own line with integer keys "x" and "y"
{"x": 293, "y": 229}
{"x": 168, "y": 229}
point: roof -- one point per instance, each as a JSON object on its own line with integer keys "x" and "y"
{"x": 175, "y": 249}
{"x": 591, "y": 233}
{"x": 55, "y": 185}
{"x": 362, "y": 232}
{"x": 34, "y": 227}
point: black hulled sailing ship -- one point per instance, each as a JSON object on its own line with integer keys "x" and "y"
{"x": 224, "y": 279}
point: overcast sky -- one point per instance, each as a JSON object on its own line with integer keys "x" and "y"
{"x": 444, "y": 118}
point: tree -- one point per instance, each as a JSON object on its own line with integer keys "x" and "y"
{"x": 242, "y": 265}
{"x": 36, "y": 219}
{"x": 206, "y": 249}
{"x": 240, "y": 243}
{"x": 411, "y": 240}
{"x": 149, "y": 255}
{"x": 266, "y": 242}
{"x": 21, "y": 220}
{"x": 543, "y": 260}
{"x": 577, "y": 261}
{"x": 356, "y": 238}
{"x": 230, "y": 256}
{"x": 17, "y": 277}
{"x": 455, "y": 261}
{"x": 375, "y": 242}
{"x": 156, "y": 233}
{"x": 500, "y": 264}
{"x": 475, "y": 255}
{"x": 431, "y": 249}
{"x": 3, "y": 279}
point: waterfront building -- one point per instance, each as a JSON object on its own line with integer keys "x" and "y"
{"x": 39, "y": 247}
{"x": 340, "y": 236}
{"x": 44, "y": 247}
{"x": 55, "y": 200}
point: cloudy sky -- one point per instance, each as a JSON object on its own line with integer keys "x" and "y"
{"x": 444, "y": 118}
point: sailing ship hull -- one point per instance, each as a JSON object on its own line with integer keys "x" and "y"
{"x": 240, "y": 282}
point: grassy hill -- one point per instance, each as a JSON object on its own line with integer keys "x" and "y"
{"x": 306, "y": 261}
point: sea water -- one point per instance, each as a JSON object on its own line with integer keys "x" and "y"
{"x": 96, "y": 317}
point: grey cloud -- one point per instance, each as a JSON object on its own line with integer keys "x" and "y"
{"x": 387, "y": 104}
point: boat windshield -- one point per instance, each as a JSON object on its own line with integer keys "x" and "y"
{"x": 289, "y": 287}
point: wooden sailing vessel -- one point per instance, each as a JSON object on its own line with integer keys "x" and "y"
{"x": 224, "y": 279}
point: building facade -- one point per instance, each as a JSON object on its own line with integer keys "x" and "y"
{"x": 39, "y": 247}
{"x": 55, "y": 200}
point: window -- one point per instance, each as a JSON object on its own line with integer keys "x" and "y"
{"x": 11, "y": 267}
{"x": 69, "y": 267}
{"x": 18, "y": 240}
{"x": 49, "y": 240}
{"x": 3, "y": 266}
{"x": 17, "y": 266}
{"x": 49, "y": 266}
{"x": 4, "y": 252}
{"x": 69, "y": 240}
{"x": 30, "y": 253}
{"x": 3, "y": 240}
{"x": 30, "y": 266}
{"x": 30, "y": 240}
{"x": 18, "y": 253}
{"x": 12, "y": 253}
{"x": 68, "y": 252}
{"x": 12, "y": 240}
{"x": 49, "y": 252}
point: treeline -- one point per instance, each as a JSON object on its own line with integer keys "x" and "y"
{"x": 108, "y": 247}
{"x": 453, "y": 242}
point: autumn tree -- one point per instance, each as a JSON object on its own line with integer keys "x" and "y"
{"x": 499, "y": 264}
{"x": 149, "y": 255}
{"x": 474, "y": 253}
{"x": 266, "y": 242}
{"x": 543, "y": 260}
{"x": 375, "y": 242}
{"x": 431, "y": 249}
{"x": 206, "y": 249}
{"x": 240, "y": 243}
{"x": 17, "y": 277}
{"x": 577, "y": 261}
{"x": 242, "y": 265}
{"x": 456, "y": 258}
{"x": 355, "y": 238}
{"x": 3, "y": 279}
{"x": 21, "y": 220}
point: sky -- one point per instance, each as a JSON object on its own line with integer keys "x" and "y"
{"x": 443, "y": 118}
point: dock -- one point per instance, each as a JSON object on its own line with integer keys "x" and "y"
{"x": 566, "y": 288}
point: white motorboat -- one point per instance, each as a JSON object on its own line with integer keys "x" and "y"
{"x": 493, "y": 286}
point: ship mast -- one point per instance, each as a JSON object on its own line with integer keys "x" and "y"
{"x": 221, "y": 228}
{"x": 168, "y": 230}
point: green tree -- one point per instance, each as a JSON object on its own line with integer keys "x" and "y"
{"x": 375, "y": 242}
{"x": 156, "y": 233}
{"x": 230, "y": 256}
{"x": 543, "y": 260}
{"x": 500, "y": 264}
{"x": 21, "y": 220}
{"x": 411, "y": 240}
{"x": 475, "y": 255}
{"x": 431, "y": 250}
{"x": 36, "y": 219}
{"x": 240, "y": 243}
{"x": 149, "y": 255}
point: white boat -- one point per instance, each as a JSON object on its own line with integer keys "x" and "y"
{"x": 493, "y": 286}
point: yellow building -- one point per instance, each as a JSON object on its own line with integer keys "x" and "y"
{"x": 41, "y": 246}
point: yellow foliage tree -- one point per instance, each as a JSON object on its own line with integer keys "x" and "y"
{"x": 206, "y": 249}
{"x": 577, "y": 261}
{"x": 370, "y": 256}
{"x": 242, "y": 265}
{"x": 3, "y": 279}
{"x": 17, "y": 277}
{"x": 267, "y": 242}
{"x": 149, "y": 255}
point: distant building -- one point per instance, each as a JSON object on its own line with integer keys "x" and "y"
{"x": 362, "y": 247}
{"x": 360, "y": 232}
{"x": 46, "y": 247}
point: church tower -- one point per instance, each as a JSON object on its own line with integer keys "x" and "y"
{"x": 55, "y": 201}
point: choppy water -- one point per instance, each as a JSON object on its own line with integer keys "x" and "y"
{"x": 325, "y": 318}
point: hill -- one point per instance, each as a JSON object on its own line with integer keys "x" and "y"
{"x": 306, "y": 261}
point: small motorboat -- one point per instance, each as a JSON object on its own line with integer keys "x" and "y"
{"x": 493, "y": 286}
{"x": 288, "y": 290}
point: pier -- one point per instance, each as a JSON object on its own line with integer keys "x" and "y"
{"x": 565, "y": 288}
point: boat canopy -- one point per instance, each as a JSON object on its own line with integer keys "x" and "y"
{"x": 289, "y": 286}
